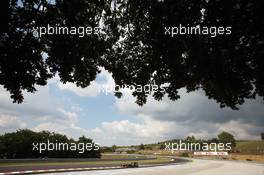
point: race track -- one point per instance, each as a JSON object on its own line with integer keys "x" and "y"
{"x": 196, "y": 167}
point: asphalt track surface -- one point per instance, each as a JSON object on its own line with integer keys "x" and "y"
{"x": 196, "y": 167}
{"x": 48, "y": 167}
{"x": 18, "y": 168}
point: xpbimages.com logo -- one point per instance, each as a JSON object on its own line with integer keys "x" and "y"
{"x": 80, "y": 31}
{"x": 199, "y": 148}
{"x": 212, "y": 31}
{"x": 59, "y": 146}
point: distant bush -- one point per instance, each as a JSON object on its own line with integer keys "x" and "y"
{"x": 131, "y": 152}
{"x": 184, "y": 154}
{"x": 142, "y": 147}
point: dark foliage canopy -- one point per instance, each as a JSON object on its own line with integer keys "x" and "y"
{"x": 229, "y": 68}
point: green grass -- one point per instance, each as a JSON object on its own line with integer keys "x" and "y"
{"x": 121, "y": 156}
{"x": 250, "y": 147}
{"x": 117, "y": 162}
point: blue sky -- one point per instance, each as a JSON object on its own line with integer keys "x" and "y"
{"x": 74, "y": 111}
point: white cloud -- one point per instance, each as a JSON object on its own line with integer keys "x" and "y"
{"x": 39, "y": 111}
{"x": 38, "y": 104}
{"x": 92, "y": 91}
{"x": 66, "y": 123}
{"x": 9, "y": 123}
{"x": 239, "y": 129}
{"x": 96, "y": 87}
{"x": 125, "y": 132}
{"x": 194, "y": 114}
{"x": 50, "y": 126}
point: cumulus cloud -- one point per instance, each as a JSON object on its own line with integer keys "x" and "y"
{"x": 92, "y": 91}
{"x": 39, "y": 111}
{"x": 126, "y": 132}
{"x": 60, "y": 127}
{"x": 103, "y": 84}
{"x": 194, "y": 114}
{"x": 65, "y": 123}
{"x": 243, "y": 130}
{"x": 40, "y": 103}
{"x": 9, "y": 123}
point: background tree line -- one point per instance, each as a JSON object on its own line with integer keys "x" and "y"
{"x": 223, "y": 137}
{"x": 19, "y": 144}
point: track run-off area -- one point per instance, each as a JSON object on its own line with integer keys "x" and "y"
{"x": 194, "y": 167}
